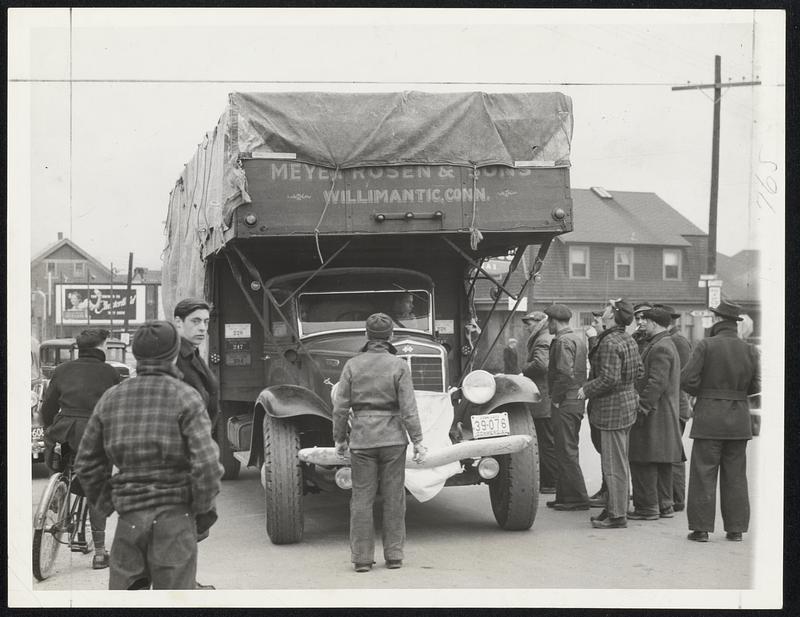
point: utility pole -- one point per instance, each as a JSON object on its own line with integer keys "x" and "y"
{"x": 128, "y": 292}
{"x": 711, "y": 259}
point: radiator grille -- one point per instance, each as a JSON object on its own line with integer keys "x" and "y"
{"x": 427, "y": 373}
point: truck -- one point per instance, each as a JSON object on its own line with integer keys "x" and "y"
{"x": 300, "y": 214}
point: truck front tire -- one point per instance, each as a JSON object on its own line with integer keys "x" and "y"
{"x": 283, "y": 491}
{"x": 514, "y": 492}
{"x": 229, "y": 462}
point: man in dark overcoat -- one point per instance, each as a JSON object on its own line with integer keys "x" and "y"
{"x": 721, "y": 373}
{"x": 639, "y": 334}
{"x": 535, "y": 368}
{"x": 566, "y": 373}
{"x": 74, "y": 389}
{"x": 615, "y": 367}
{"x": 684, "y": 348}
{"x": 655, "y": 439}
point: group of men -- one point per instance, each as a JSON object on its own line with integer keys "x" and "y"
{"x": 144, "y": 447}
{"x": 638, "y": 390}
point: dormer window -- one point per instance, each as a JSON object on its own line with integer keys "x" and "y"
{"x": 79, "y": 268}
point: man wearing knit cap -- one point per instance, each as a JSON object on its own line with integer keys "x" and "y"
{"x": 155, "y": 430}
{"x": 722, "y": 372}
{"x": 655, "y": 438}
{"x": 566, "y": 373}
{"x": 535, "y": 369}
{"x": 684, "y": 348}
{"x": 376, "y": 386}
{"x": 613, "y": 403}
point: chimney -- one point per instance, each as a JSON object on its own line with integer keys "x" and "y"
{"x": 60, "y": 236}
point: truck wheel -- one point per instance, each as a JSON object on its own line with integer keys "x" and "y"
{"x": 283, "y": 491}
{"x": 229, "y": 462}
{"x": 514, "y": 492}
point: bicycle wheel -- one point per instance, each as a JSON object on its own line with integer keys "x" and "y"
{"x": 50, "y": 530}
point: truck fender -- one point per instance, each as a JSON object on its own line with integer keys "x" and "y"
{"x": 283, "y": 401}
{"x": 509, "y": 389}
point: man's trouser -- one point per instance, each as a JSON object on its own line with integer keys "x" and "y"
{"x": 374, "y": 468}
{"x": 652, "y": 487}
{"x": 594, "y": 433}
{"x": 614, "y": 463}
{"x": 548, "y": 467}
{"x": 155, "y": 546}
{"x": 570, "y": 486}
{"x": 729, "y": 458}
{"x": 679, "y": 476}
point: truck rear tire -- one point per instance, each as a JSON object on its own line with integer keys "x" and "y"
{"x": 283, "y": 491}
{"x": 229, "y": 462}
{"x": 514, "y": 492}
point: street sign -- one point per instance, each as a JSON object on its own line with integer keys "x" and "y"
{"x": 701, "y": 283}
{"x": 707, "y": 277}
{"x": 714, "y": 296}
{"x": 715, "y": 283}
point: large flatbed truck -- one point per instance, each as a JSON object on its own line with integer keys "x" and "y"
{"x": 301, "y": 214}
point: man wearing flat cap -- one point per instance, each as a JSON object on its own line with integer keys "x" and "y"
{"x": 722, "y": 372}
{"x": 535, "y": 368}
{"x": 655, "y": 441}
{"x": 613, "y": 403}
{"x": 377, "y": 386}
{"x": 639, "y": 335}
{"x": 684, "y": 348}
{"x": 155, "y": 430}
{"x": 566, "y": 373}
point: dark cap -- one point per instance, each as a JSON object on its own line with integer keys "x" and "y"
{"x": 156, "y": 340}
{"x": 669, "y": 310}
{"x": 379, "y": 327}
{"x": 92, "y": 337}
{"x": 728, "y": 310}
{"x": 659, "y": 316}
{"x": 534, "y": 316}
{"x": 598, "y": 313}
{"x": 623, "y": 311}
{"x": 642, "y": 306}
{"x": 559, "y": 312}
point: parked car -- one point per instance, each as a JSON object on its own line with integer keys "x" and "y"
{"x": 38, "y": 385}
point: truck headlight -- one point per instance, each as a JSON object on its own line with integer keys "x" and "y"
{"x": 478, "y": 387}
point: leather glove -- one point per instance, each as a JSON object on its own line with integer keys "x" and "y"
{"x": 341, "y": 448}
{"x": 419, "y": 453}
{"x": 204, "y": 522}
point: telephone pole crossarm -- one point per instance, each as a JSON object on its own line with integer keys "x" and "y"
{"x": 730, "y": 84}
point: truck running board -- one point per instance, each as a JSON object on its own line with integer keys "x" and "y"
{"x": 491, "y": 446}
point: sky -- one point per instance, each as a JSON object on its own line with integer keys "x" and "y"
{"x": 105, "y": 150}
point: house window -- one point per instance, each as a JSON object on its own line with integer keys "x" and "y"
{"x": 579, "y": 262}
{"x": 672, "y": 265}
{"x": 585, "y": 319}
{"x": 79, "y": 268}
{"x": 623, "y": 262}
{"x": 51, "y": 267}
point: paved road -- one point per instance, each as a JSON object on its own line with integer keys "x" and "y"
{"x": 453, "y": 542}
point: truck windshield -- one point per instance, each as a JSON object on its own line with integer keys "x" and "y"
{"x": 343, "y": 310}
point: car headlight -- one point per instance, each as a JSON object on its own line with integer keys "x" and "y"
{"x": 478, "y": 387}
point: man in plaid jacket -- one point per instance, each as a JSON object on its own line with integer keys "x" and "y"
{"x": 613, "y": 403}
{"x": 155, "y": 429}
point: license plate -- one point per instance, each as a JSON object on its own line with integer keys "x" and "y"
{"x": 490, "y": 425}
{"x": 37, "y": 433}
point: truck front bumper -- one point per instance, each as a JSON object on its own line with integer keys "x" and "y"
{"x": 474, "y": 448}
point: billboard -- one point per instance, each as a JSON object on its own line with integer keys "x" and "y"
{"x": 99, "y": 304}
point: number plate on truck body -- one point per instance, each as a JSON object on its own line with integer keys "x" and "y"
{"x": 491, "y": 425}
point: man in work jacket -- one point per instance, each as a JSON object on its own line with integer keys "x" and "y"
{"x": 613, "y": 402}
{"x": 535, "y": 368}
{"x": 721, "y": 373}
{"x": 684, "y": 348}
{"x": 191, "y": 319}
{"x": 376, "y": 385}
{"x": 75, "y": 388}
{"x": 655, "y": 441}
{"x": 566, "y": 373}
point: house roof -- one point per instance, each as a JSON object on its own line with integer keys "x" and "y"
{"x": 42, "y": 255}
{"x": 627, "y": 218}
{"x": 740, "y": 276}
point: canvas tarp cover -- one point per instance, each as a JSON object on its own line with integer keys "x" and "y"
{"x": 347, "y": 130}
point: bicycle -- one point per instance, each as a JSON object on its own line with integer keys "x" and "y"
{"x": 61, "y": 518}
